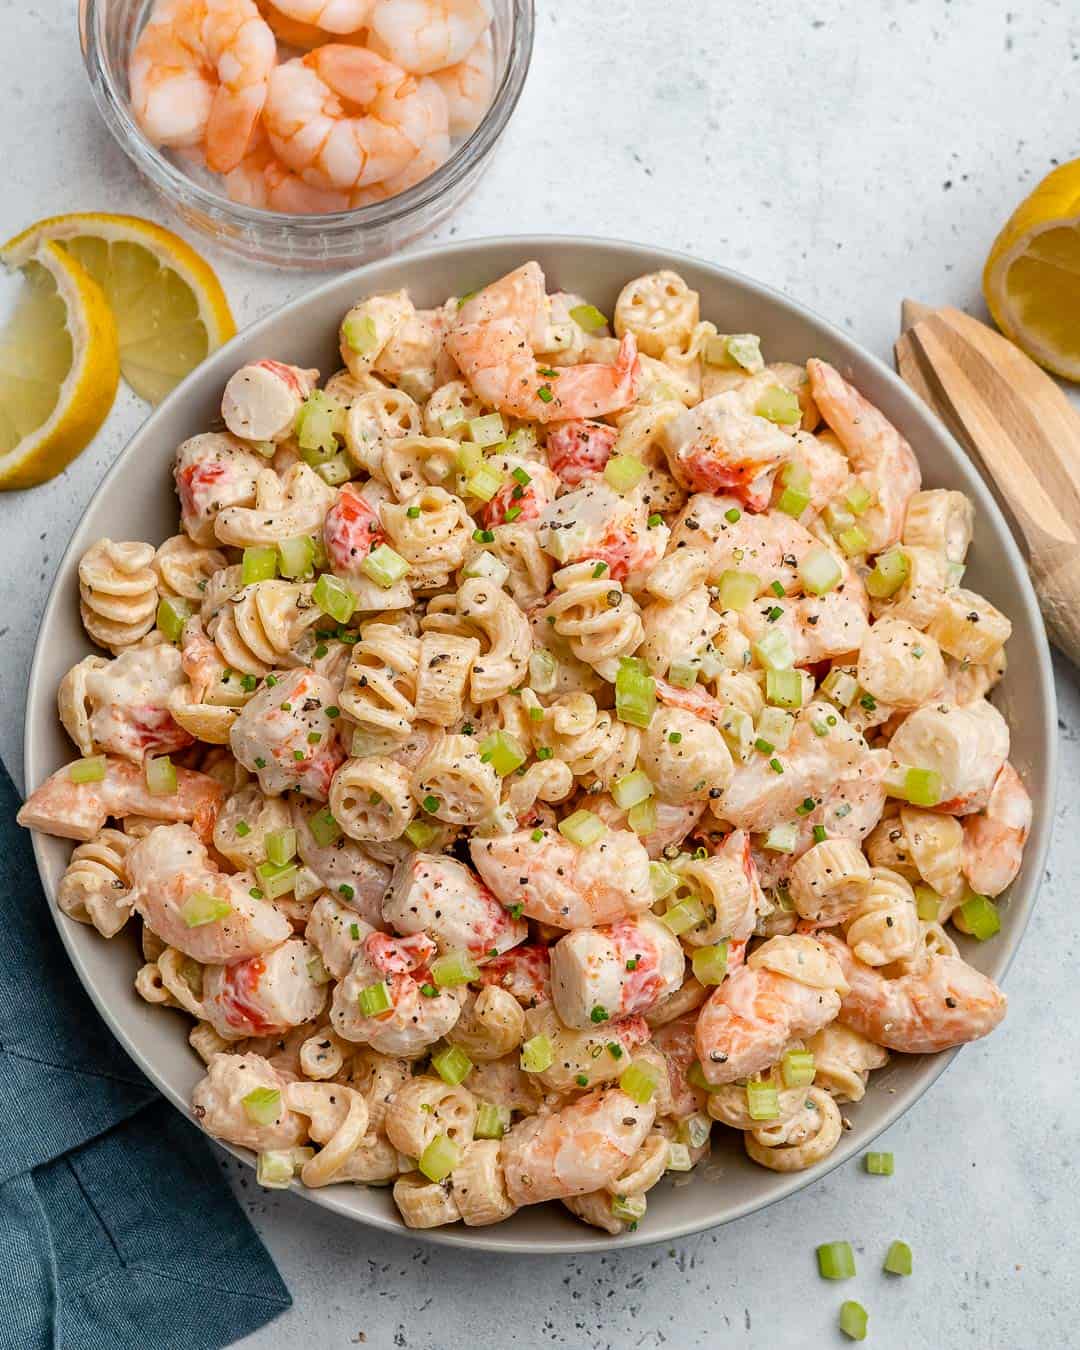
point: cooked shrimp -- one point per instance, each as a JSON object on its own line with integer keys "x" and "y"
{"x": 524, "y": 972}
{"x": 199, "y": 73}
{"x": 343, "y": 118}
{"x": 676, "y": 1041}
{"x": 718, "y": 447}
{"x": 414, "y": 1020}
{"x": 581, "y": 1148}
{"x": 751, "y": 1017}
{"x": 757, "y": 798}
{"x": 994, "y": 839}
{"x": 966, "y": 745}
{"x": 332, "y": 16}
{"x": 881, "y": 458}
{"x": 127, "y": 701}
{"x": 264, "y": 181}
{"x": 262, "y": 399}
{"x": 557, "y": 882}
{"x": 621, "y": 970}
{"x": 817, "y": 627}
{"x": 944, "y": 1002}
{"x": 169, "y": 868}
{"x": 467, "y": 87}
{"x": 497, "y": 360}
{"x": 426, "y": 35}
{"x": 442, "y": 897}
{"x": 578, "y": 450}
{"x": 287, "y": 735}
{"x": 594, "y": 521}
{"x": 342, "y": 866}
{"x": 217, "y": 1103}
{"x": 211, "y": 472}
{"x": 352, "y": 528}
{"x": 79, "y": 810}
{"x": 265, "y": 995}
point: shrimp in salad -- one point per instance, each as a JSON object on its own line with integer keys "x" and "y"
{"x": 412, "y": 1018}
{"x": 994, "y": 839}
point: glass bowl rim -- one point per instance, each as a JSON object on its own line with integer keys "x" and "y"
{"x": 177, "y": 185}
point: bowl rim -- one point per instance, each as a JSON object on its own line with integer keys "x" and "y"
{"x": 40, "y": 706}
{"x": 169, "y": 178}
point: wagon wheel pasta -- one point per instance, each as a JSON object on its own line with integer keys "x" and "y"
{"x": 528, "y": 754}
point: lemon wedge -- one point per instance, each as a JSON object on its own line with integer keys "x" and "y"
{"x": 170, "y": 310}
{"x": 59, "y": 368}
{"x": 1032, "y": 277}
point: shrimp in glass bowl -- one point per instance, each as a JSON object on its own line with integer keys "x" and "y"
{"x": 635, "y": 868}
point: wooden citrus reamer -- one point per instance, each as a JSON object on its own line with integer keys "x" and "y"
{"x": 1024, "y": 436}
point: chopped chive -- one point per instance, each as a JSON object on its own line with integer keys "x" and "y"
{"x": 430, "y": 804}
{"x": 820, "y": 834}
{"x": 732, "y": 514}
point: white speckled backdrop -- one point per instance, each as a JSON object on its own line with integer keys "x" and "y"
{"x": 850, "y": 152}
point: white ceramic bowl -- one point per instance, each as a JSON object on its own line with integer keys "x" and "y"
{"x": 136, "y": 501}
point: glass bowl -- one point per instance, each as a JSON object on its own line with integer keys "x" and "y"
{"x": 108, "y": 30}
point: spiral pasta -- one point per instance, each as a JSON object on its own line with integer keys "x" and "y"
{"x": 593, "y": 744}
{"x": 374, "y": 420}
{"x": 483, "y": 611}
{"x": 801, "y": 1142}
{"x": 453, "y": 783}
{"x": 184, "y": 568}
{"x": 843, "y": 1060}
{"x": 256, "y": 631}
{"x": 432, "y": 531}
{"x": 118, "y": 593}
{"x": 883, "y": 927}
{"x": 94, "y": 888}
{"x": 370, "y": 798}
{"x": 285, "y": 508}
{"x": 660, "y": 310}
{"x": 379, "y": 691}
{"x": 442, "y": 676}
{"x": 596, "y": 616}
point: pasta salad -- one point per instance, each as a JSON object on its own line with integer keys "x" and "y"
{"x": 549, "y": 739}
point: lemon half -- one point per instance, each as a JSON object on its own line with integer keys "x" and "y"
{"x": 1032, "y": 277}
{"x": 59, "y": 368}
{"x": 170, "y": 310}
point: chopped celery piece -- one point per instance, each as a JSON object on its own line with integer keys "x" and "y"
{"x": 588, "y": 317}
{"x": 898, "y": 1259}
{"x": 492, "y": 1121}
{"x": 841, "y": 687}
{"x": 629, "y": 1208}
{"x": 470, "y": 457}
{"x": 779, "y": 405}
{"x": 88, "y": 770}
{"x": 420, "y": 834}
{"x": 360, "y": 335}
{"x": 543, "y": 672}
{"x": 737, "y": 728}
{"x": 797, "y": 1068}
{"x": 624, "y": 473}
{"x": 852, "y": 1320}
{"x": 710, "y": 963}
{"x": 488, "y": 430}
{"x": 281, "y": 846}
{"x": 582, "y": 828}
{"x": 838, "y": 518}
{"x": 979, "y": 917}
{"x": 324, "y": 828}
{"x": 796, "y": 475}
{"x": 453, "y": 968}
{"x": 857, "y": 498}
{"x": 483, "y": 482}
{"x": 335, "y": 470}
{"x": 784, "y": 688}
{"x": 782, "y": 838}
{"x": 682, "y": 676}
{"x": 537, "y": 1054}
{"x": 334, "y": 598}
{"x": 773, "y": 650}
{"x": 920, "y": 787}
{"x": 793, "y": 502}
{"x": 262, "y": 1105}
{"x": 276, "y": 879}
{"x": 487, "y": 566}
{"x": 160, "y": 776}
{"x": 695, "y": 1130}
{"x": 853, "y": 541}
{"x": 927, "y": 904}
{"x": 375, "y": 1000}
{"x": 879, "y": 1164}
{"x": 762, "y": 1101}
{"x": 317, "y": 972}
{"x": 521, "y": 441}
{"x": 684, "y": 915}
{"x": 172, "y": 613}
{"x": 776, "y": 727}
{"x": 503, "y": 752}
{"x": 440, "y": 1158}
{"x": 639, "y": 1082}
{"x": 258, "y": 564}
{"x": 296, "y": 557}
{"x": 819, "y": 571}
{"x": 735, "y": 590}
{"x": 452, "y": 1065}
{"x": 642, "y": 817}
{"x": 662, "y": 880}
{"x": 735, "y": 349}
{"x": 274, "y": 1169}
{"x": 315, "y": 423}
{"x": 202, "y": 908}
{"x": 384, "y": 567}
{"x": 889, "y": 574}
{"x": 678, "y": 1158}
{"x": 631, "y": 788}
{"x": 836, "y": 1261}
{"x": 635, "y": 692}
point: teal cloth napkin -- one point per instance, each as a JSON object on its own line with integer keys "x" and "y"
{"x": 117, "y": 1228}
